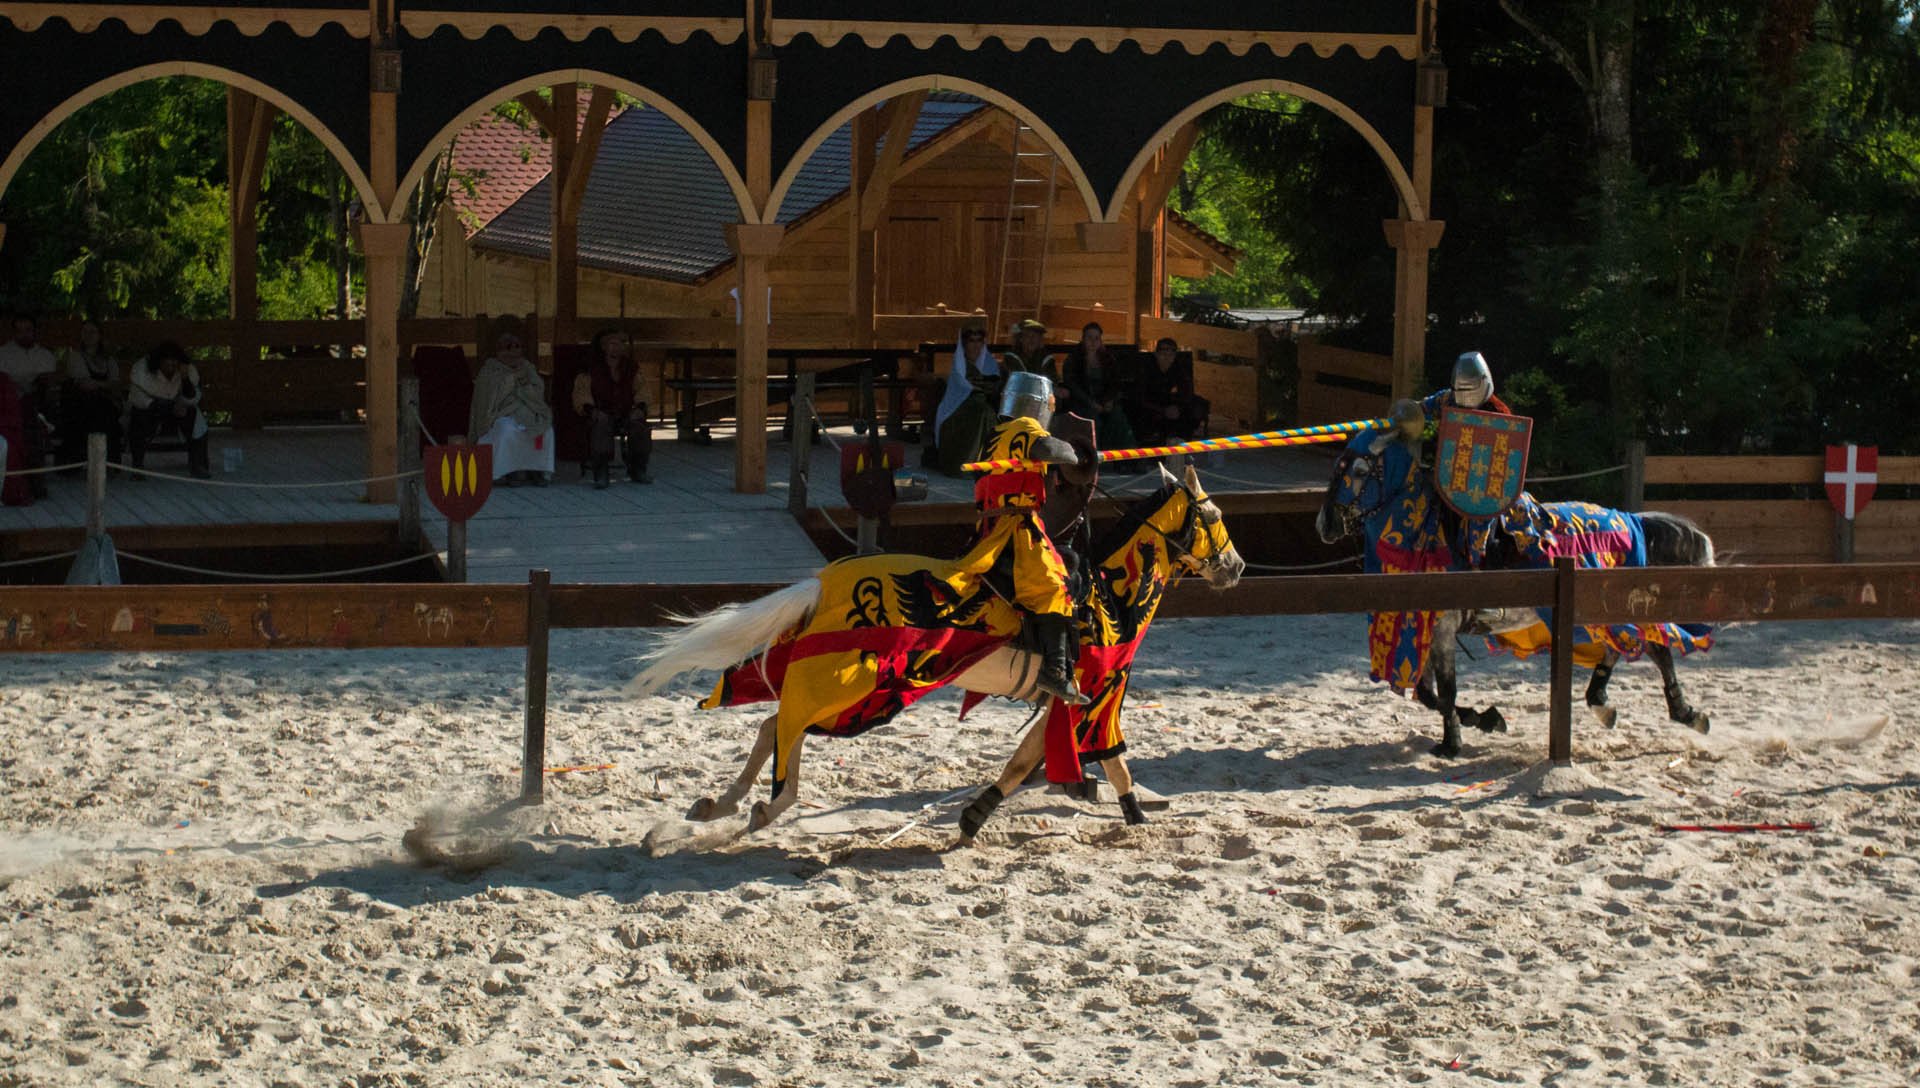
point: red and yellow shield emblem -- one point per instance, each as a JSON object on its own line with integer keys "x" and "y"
{"x": 1481, "y": 465}
{"x": 459, "y": 478}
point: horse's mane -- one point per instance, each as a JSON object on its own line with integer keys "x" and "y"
{"x": 1131, "y": 519}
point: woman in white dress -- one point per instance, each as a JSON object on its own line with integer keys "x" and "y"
{"x": 510, "y": 412}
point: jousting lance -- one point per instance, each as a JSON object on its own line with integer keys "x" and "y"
{"x": 1297, "y": 436}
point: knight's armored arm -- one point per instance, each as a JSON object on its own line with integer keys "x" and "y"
{"x": 1052, "y": 451}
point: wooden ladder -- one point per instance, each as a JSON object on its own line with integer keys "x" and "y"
{"x": 1023, "y": 243}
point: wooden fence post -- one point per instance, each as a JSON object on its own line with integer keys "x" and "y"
{"x": 96, "y": 485}
{"x": 533, "y": 756}
{"x": 1560, "y": 698}
{"x": 1842, "y": 538}
{"x": 801, "y": 416}
{"x": 457, "y": 533}
{"x": 1636, "y": 499}
{"x": 409, "y": 492}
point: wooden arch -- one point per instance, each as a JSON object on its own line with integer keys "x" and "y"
{"x": 930, "y": 82}
{"x": 17, "y": 156}
{"x": 1403, "y": 185}
{"x": 652, "y": 98}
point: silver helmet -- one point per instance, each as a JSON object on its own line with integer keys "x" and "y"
{"x": 1472, "y": 380}
{"x": 1027, "y": 394}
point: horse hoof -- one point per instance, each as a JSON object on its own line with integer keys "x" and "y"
{"x": 707, "y": 809}
{"x": 760, "y": 817}
{"x": 1492, "y": 721}
{"x": 1606, "y": 714}
{"x": 1700, "y": 723}
{"x": 974, "y": 816}
{"x": 1446, "y": 750}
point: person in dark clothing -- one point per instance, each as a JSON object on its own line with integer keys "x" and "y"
{"x": 606, "y": 394}
{"x": 1097, "y": 388}
{"x": 94, "y": 400}
{"x": 1165, "y": 408}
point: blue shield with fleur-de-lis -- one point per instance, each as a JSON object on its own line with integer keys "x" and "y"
{"x": 1480, "y": 467}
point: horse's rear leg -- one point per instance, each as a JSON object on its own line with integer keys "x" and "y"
{"x": 728, "y": 803}
{"x": 1122, "y": 779}
{"x": 785, "y": 790}
{"x": 1024, "y": 761}
{"x": 1677, "y": 706}
{"x": 1441, "y": 663}
{"x": 1597, "y": 689}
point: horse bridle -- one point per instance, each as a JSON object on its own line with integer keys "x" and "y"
{"x": 1352, "y": 518}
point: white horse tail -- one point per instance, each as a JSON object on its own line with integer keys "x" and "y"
{"x": 725, "y": 636}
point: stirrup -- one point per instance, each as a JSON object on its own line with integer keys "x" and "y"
{"x": 1066, "y": 692}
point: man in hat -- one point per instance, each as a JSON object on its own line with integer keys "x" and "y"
{"x": 1030, "y": 351}
{"x": 1011, "y": 542}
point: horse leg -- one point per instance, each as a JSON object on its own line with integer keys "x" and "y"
{"x": 1677, "y": 706}
{"x": 1122, "y": 779}
{"x": 1024, "y": 761}
{"x": 1440, "y": 661}
{"x": 728, "y": 803}
{"x": 1597, "y": 689}
{"x": 786, "y": 790}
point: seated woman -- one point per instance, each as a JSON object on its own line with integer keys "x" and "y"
{"x": 510, "y": 412}
{"x": 1165, "y": 408}
{"x": 93, "y": 401}
{"x": 164, "y": 391}
{"x": 605, "y": 393}
{"x": 1097, "y": 388}
{"x": 968, "y": 414}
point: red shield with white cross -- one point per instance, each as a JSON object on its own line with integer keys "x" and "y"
{"x": 458, "y": 478}
{"x": 1852, "y": 472}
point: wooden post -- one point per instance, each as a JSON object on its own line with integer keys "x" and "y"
{"x": 96, "y": 485}
{"x": 1842, "y": 539}
{"x": 563, "y": 255}
{"x": 533, "y": 757}
{"x": 385, "y": 245}
{"x": 409, "y": 496}
{"x": 1412, "y": 241}
{"x": 1636, "y": 498}
{"x": 249, "y": 123}
{"x": 753, "y": 244}
{"x": 1149, "y": 224}
{"x": 801, "y": 445}
{"x": 456, "y": 533}
{"x": 867, "y": 536}
{"x": 1560, "y": 698}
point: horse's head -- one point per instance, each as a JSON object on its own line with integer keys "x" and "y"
{"x": 1202, "y": 546}
{"x": 1362, "y": 483}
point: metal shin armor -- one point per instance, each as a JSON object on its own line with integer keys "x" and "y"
{"x": 1472, "y": 380}
{"x": 1027, "y": 394}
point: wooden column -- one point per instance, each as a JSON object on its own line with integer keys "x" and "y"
{"x": 249, "y": 123}
{"x": 1413, "y": 241}
{"x": 385, "y": 246}
{"x": 753, "y": 244}
{"x": 1150, "y": 225}
{"x": 569, "y": 191}
{"x": 877, "y": 171}
{"x": 860, "y": 237}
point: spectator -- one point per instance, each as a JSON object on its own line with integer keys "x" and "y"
{"x": 968, "y": 412}
{"x": 605, "y": 393}
{"x": 94, "y": 400}
{"x": 1097, "y": 388}
{"x": 510, "y": 411}
{"x": 1030, "y": 351}
{"x": 1165, "y": 407}
{"x": 164, "y": 390}
{"x": 32, "y": 368}
{"x": 13, "y": 446}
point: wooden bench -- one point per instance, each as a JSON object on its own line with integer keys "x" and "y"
{"x": 861, "y": 369}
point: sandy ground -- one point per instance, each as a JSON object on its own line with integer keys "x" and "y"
{"x": 202, "y": 880}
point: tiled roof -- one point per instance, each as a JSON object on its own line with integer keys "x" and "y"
{"x": 501, "y": 161}
{"x": 657, "y": 206}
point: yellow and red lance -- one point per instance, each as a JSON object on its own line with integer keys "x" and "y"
{"x": 1481, "y": 464}
{"x": 459, "y": 478}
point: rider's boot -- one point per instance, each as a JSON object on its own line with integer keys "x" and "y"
{"x": 1058, "y": 654}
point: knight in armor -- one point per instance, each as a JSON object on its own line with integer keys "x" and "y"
{"x": 1011, "y": 544}
{"x": 1472, "y": 388}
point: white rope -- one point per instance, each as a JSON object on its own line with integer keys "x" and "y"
{"x": 422, "y": 424}
{"x": 275, "y": 577}
{"x": 1306, "y": 566}
{"x": 1576, "y": 475}
{"x": 49, "y": 468}
{"x": 39, "y": 559}
{"x": 276, "y": 487}
{"x": 824, "y": 432}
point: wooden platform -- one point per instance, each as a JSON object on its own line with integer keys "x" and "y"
{"x": 689, "y": 526}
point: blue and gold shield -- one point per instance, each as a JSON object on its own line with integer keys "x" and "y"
{"x": 1481, "y": 465}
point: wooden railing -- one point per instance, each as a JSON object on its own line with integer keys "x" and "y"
{"x": 148, "y": 619}
{"x": 1785, "y": 529}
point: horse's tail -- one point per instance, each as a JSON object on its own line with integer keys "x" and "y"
{"x": 725, "y": 636}
{"x": 1674, "y": 541}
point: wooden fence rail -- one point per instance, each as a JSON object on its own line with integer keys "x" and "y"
{"x": 186, "y": 619}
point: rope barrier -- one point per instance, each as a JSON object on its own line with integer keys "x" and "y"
{"x": 1306, "y": 566}
{"x": 1576, "y": 475}
{"x": 313, "y": 576}
{"x": 46, "y": 470}
{"x": 422, "y": 424}
{"x": 130, "y": 470}
{"x": 40, "y": 559}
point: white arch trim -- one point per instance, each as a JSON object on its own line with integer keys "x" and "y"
{"x": 652, "y": 98}
{"x": 930, "y": 83}
{"x": 1396, "y": 171}
{"x": 17, "y": 157}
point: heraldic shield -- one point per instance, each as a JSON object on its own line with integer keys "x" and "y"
{"x": 866, "y": 475}
{"x": 458, "y": 478}
{"x": 1480, "y": 467}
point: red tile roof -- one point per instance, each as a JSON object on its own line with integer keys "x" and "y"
{"x": 500, "y": 161}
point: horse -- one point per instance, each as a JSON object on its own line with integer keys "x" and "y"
{"x": 1379, "y": 492}
{"x": 857, "y": 643}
